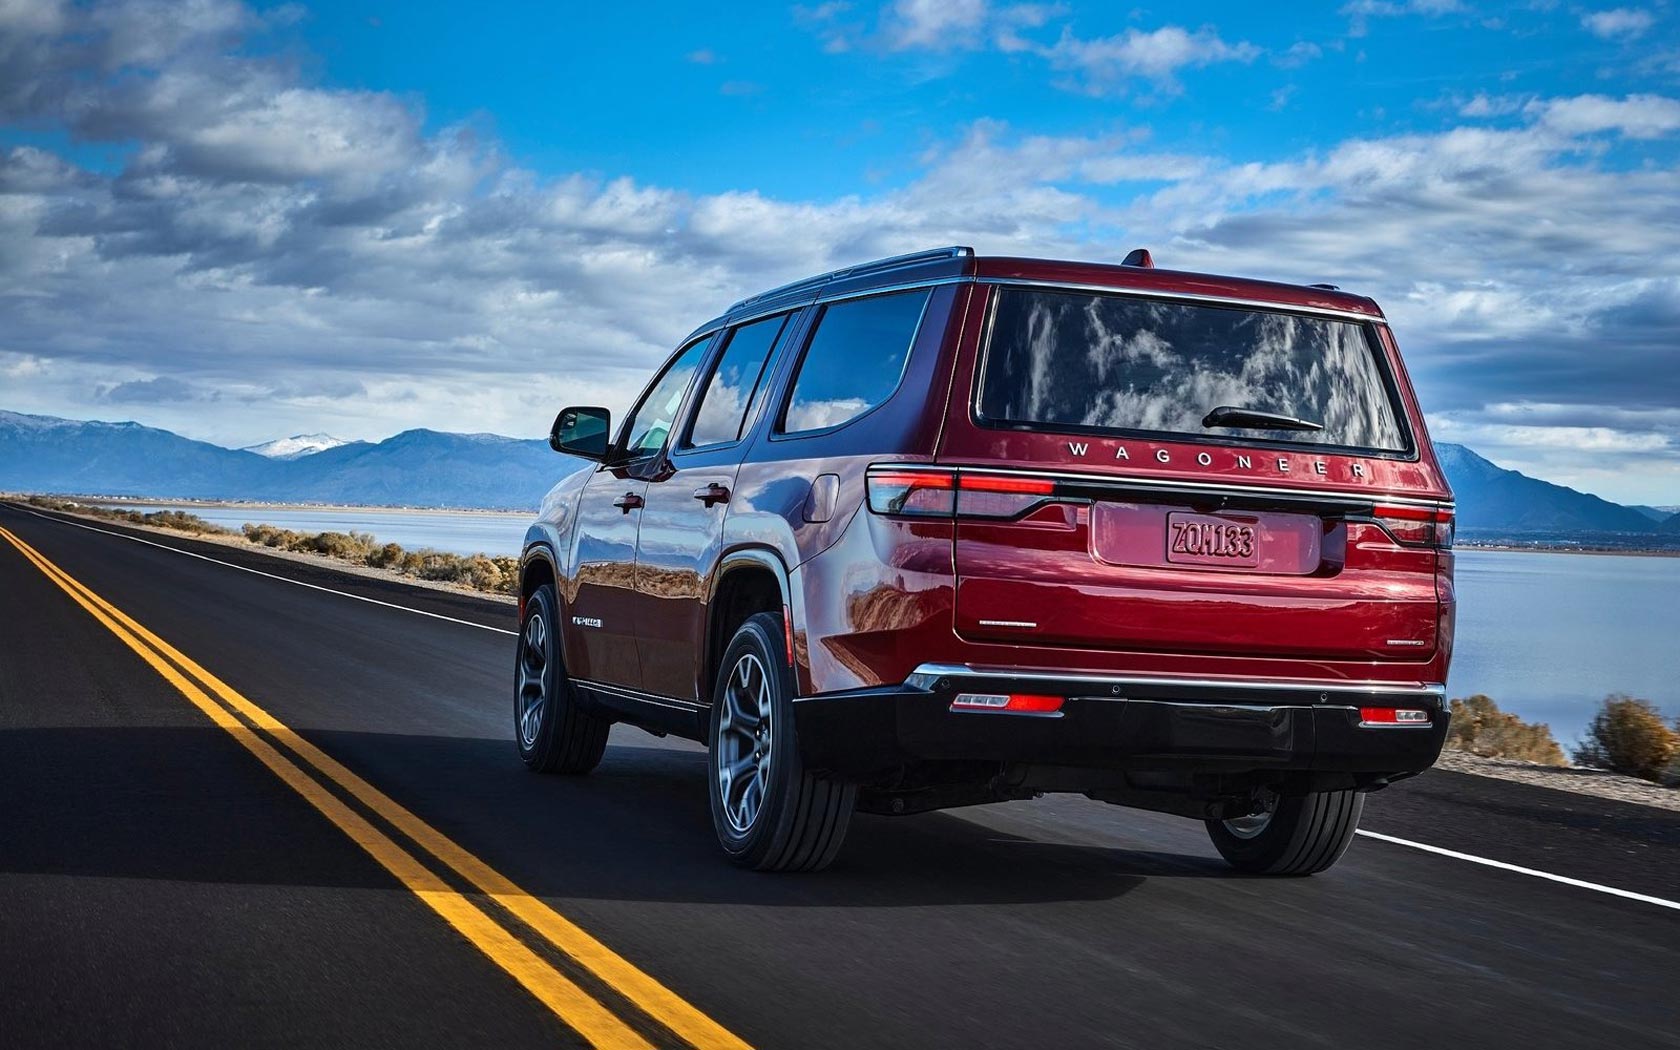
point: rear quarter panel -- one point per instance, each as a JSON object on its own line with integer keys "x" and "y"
{"x": 768, "y": 510}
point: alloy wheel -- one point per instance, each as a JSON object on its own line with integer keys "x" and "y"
{"x": 533, "y": 678}
{"x": 744, "y": 741}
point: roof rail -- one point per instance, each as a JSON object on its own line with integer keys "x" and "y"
{"x": 895, "y": 262}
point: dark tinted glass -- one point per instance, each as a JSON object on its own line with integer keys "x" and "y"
{"x": 854, "y": 360}
{"x": 723, "y": 404}
{"x": 650, "y": 424}
{"x": 1060, "y": 359}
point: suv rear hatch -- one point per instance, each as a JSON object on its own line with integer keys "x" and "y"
{"x": 1117, "y": 483}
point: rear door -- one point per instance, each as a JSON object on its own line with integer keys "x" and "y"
{"x": 1104, "y": 501}
{"x": 686, "y": 500}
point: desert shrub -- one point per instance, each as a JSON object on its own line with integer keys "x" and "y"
{"x": 388, "y": 556}
{"x": 1628, "y": 735}
{"x": 270, "y": 536}
{"x": 177, "y": 520}
{"x": 510, "y": 574}
{"x": 345, "y": 546}
{"x": 1481, "y": 728}
{"x": 478, "y": 571}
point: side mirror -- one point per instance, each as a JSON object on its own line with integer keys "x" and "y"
{"x": 581, "y": 431}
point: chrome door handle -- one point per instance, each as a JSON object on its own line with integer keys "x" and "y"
{"x": 713, "y": 493}
{"x": 628, "y": 502}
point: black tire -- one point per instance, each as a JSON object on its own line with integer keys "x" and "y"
{"x": 1305, "y": 835}
{"x": 561, "y": 738}
{"x": 799, "y": 820}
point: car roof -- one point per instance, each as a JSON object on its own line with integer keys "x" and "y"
{"x": 955, "y": 264}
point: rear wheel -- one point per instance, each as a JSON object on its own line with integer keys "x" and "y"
{"x": 768, "y": 812}
{"x": 554, "y": 735}
{"x": 1292, "y": 835}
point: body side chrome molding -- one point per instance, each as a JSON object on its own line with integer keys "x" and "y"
{"x": 626, "y": 693}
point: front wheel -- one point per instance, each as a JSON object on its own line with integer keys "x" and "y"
{"x": 769, "y": 814}
{"x": 554, "y": 735}
{"x": 1292, "y": 835}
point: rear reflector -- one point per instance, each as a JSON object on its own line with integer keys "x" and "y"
{"x": 1012, "y": 703}
{"x": 1393, "y": 718}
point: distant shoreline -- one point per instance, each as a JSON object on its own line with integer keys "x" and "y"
{"x": 1498, "y": 548}
{"x": 188, "y": 504}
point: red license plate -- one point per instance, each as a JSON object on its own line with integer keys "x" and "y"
{"x": 1202, "y": 539}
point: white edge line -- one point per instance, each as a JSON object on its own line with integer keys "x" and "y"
{"x": 270, "y": 575}
{"x": 1502, "y": 866}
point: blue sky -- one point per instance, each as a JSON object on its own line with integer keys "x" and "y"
{"x": 240, "y": 221}
{"x": 799, "y": 104}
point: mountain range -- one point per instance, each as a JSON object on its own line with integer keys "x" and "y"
{"x": 417, "y": 468}
{"x": 428, "y": 468}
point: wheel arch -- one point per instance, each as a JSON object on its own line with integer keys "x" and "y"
{"x": 748, "y": 580}
{"x": 536, "y": 567}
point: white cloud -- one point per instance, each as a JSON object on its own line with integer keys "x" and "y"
{"x": 1636, "y": 116}
{"x": 1096, "y": 64}
{"x": 936, "y": 25}
{"x": 1618, "y": 23}
{"x": 1104, "y": 63}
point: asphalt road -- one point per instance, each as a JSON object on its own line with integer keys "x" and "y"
{"x": 161, "y": 885}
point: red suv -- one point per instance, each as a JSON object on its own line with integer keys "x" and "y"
{"x": 942, "y": 530}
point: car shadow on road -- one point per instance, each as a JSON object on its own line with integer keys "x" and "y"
{"x": 185, "y": 803}
{"x": 639, "y": 828}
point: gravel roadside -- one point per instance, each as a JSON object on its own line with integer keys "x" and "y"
{"x": 1580, "y": 780}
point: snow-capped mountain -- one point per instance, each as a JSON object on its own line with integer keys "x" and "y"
{"x": 296, "y": 445}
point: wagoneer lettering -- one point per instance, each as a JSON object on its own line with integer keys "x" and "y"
{"x": 942, "y": 529}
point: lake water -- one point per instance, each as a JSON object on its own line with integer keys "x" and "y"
{"x": 1548, "y": 635}
{"x": 1545, "y": 635}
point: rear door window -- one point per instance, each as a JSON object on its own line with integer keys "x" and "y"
{"x": 854, "y": 360}
{"x": 1125, "y": 365}
{"x": 722, "y": 413}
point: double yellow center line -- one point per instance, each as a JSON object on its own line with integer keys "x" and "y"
{"x": 307, "y": 770}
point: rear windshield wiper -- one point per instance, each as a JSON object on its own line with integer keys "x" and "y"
{"x": 1252, "y": 418}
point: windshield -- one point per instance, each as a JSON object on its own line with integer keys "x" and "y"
{"x": 1075, "y": 360}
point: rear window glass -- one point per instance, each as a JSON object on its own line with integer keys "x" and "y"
{"x": 854, "y": 360}
{"x": 1066, "y": 360}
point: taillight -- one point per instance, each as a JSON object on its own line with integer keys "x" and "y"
{"x": 1417, "y": 526}
{"x": 937, "y": 493}
{"x": 912, "y": 493}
